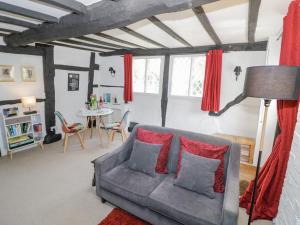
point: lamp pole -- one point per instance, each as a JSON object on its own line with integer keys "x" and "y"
{"x": 261, "y": 147}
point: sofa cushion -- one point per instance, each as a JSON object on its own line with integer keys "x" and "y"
{"x": 143, "y": 157}
{"x": 197, "y": 174}
{"x": 209, "y": 151}
{"x": 132, "y": 185}
{"x": 186, "y": 206}
{"x": 157, "y": 138}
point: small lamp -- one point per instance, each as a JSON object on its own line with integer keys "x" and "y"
{"x": 270, "y": 82}
{"x": 29, "y": 102}
{"x": 112, "y": 71}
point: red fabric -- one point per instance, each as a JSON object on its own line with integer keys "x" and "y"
{"x": 272, "y": 174}
{"x": 212, "y": 81}
{"x": 205, "y": 150}
{"x": 120, "y": 217}
{"x": 157, "y": 138}
{"x": 128, "y": 78}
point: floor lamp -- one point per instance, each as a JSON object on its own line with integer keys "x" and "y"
{"x": 270, "y": 82}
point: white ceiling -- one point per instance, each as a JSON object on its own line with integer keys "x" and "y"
{"x": 229, "y": 18}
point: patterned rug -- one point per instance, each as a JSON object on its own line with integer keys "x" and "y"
{"x": 120, "y": 217}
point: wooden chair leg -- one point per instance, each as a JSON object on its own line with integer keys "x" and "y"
{"x": 66, "y": 143}
{"x": 113, "y": 135}
{"x": 110, "y": 136}
{"x": 80, "y": 139}
{"x": 123, "y": 135}
{"x": 64, "y": 139}
{"x": 41, "y": 145}
{"x": 100, "y": 134}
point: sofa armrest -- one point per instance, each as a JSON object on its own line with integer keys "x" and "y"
{"x": 231, "y": 195}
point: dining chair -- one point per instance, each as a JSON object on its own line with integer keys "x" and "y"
{"x": 117, "y": 127}
{"x": 69, "y": 130}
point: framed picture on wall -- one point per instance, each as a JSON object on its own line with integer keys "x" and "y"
{"x": 6, "y": 73}
{"x": 28, "y": 74}
{"x": 73, "y": 82}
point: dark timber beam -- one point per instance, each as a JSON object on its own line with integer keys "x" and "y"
{"x": 17, "y": 101}
{"x": 28, "y": 50}
{"x": 199, "y": 12}
{"x": 27, "y": 12}
{"x": 73, "y": 42}
{"x": 257, "y": 46}
{"x": 109, "y": 37}
{"x": 3, "y": 34}
{"x": 101, "y": 42}
{"x": 101, "y": 16}
{"x": 4, "y": 19}
{"x": 165, "y": 90}
{"x": 252, "y": 19}
{"x": 75, "y": 47}
{"x": 91, "y": 75}
{"x": 168, "y": 30}
{"x": 70, "y": 5}
{"x": 75, "y": 68}
{"x": 140, "y": 36}
{"x": 8, "y": 30}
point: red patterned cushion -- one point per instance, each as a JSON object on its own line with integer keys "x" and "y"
{"x": 157, "y": 138}
{"x": 209, "y": 151}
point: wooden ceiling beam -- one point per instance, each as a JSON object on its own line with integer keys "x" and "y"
{"x": 27, "y": 12}
{"x": 257, "y": 46}
{"x": 254, "y": 6}
{"x": 100, "y": 16}
{"x": 70, "y": 5}
{"x": 101, "y": 42}
{"x": 202, "y": 17}
{"x": 141, "y": 37}
{"x": 75, "y": 47}
{"x": 73, "y": 42}
{"x": 21, "y": 23}
{"x": 168, "y": 30}
{"x": 8, "y": 30}
{"x": 109, "y": 37}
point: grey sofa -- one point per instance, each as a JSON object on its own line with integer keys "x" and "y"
{"x": 156, "y": 199}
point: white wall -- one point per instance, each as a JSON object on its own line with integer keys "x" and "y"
{"x": 18, "y": 89}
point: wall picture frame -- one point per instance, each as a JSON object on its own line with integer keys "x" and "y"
{"x": 7, "y": 73}
{"x": 28, "y": 74}
{"x": 73, "y": 82}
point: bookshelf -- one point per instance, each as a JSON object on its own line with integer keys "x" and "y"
{"x": 22, "y": 132}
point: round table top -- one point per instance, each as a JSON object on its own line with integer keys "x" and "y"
{"x": 96, "y": 112}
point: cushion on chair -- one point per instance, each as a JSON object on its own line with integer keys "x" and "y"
{"x": 132, "y": 185}
{"x": 157, "y": 138}
{"x": 186, "y": 206}
{"x": 76, "y": 127}
{"x": 197, "y": 174}
{"x": 143, "y": 157}
{"x": 209, "y": 151}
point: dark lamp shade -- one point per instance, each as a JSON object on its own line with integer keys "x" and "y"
{"x": 273, "y": 82}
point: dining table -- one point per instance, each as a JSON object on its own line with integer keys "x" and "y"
{"x": 95, "y": 116}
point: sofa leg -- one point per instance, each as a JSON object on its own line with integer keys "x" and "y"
{"x": 103, "y": 200}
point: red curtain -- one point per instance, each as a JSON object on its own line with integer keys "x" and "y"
{"x": 128, "y": 78}
{"x": 212, "y": 82}
{"x": 271, "y": 177}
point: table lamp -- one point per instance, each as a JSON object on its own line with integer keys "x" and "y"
{"x": 29, "y": 102}
{"x": 270, "y": 82}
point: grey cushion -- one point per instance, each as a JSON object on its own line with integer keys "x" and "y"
{"x": 197, "y": 174}
{"x": 143, "y": 157}
{"x": 186, "y": 206}
{"x": 130, "y": 184}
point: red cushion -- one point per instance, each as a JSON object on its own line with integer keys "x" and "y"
{"x": 157, "y": 138}
{"x": 209, "y": 151}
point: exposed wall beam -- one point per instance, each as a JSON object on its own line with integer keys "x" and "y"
{"x": 109, "y": 37}
{"x": 70, "y": 5}
{"x": 199, "y": 12}
{"x": 75, "y": 68}
{"x": 3, "y": 34}
{"x": 165, "y": 91}
{"x": 73, "y": 42}
{"x": 91, "y": 75}
{"x": 99, "y": 42}
{"x": 168, "y": 30}
{"x": 8, "y": 30}
{"x": 140, "y": 36}
{"x": 252, "y": 19}
{"x": 27, "y": 12}
{"x": 75, "y": 47}
{"x": 257, "y": 46}
{"x": 101, "y": 16}
{"x": 17, "y": 101}
{"x": 28, "y": 50}
{"x": 4, "y": 19}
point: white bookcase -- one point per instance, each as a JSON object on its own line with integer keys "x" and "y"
{"x": 22, "y": 132}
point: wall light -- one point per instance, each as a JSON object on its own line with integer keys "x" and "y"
{"x": 237, "y": 71}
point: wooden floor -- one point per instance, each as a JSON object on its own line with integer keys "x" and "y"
{"x": 247, "y": 172}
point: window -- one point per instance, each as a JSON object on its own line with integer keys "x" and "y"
{"x": 146, "y": 75}
{"x": 188, "y": 76}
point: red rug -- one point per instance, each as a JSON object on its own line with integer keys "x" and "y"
{"x": 120, "y": 217}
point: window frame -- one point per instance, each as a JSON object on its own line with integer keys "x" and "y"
{"x": 145, "y": 80}
{"x": 190, "y": 74}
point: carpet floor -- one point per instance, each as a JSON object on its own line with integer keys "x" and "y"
{"x": 52, "y": 188}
